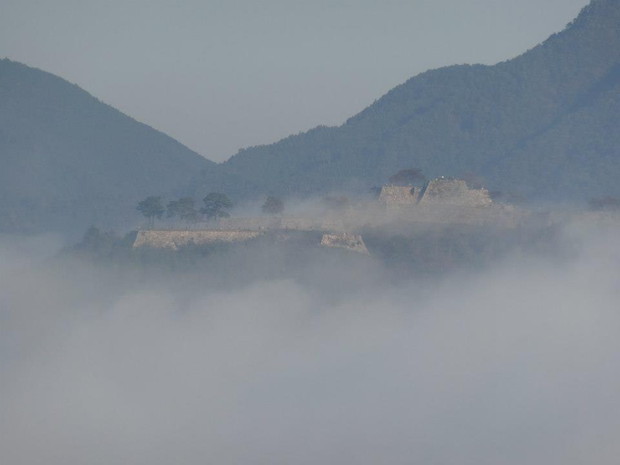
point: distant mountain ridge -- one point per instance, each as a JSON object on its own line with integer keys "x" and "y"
{"x": 544, "y": 125}
{"x": 69, "y": 160}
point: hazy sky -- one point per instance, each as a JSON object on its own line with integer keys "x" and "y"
{"x": 221, "y": 75}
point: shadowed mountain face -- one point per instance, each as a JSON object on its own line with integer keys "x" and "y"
{"x": 544, "y": 125}
{"x": 69, "y": 160}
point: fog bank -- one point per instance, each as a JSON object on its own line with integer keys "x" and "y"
{"x": 514, "y": 363}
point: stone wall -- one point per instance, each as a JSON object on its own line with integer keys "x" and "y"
{"x": 455, "y": 192}
{"x": 353, "y": 242}
{"x": 440, "y": 191}
{"x": 175, "y": 239}
{"x": 399, "y": 195}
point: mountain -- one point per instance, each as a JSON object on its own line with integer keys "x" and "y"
{"x": 544, "y": 125}
{"x": 69, "y": 161}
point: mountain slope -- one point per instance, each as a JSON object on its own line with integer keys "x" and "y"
{"x": 69, "y": 160}
{"x": 544, "y": 124}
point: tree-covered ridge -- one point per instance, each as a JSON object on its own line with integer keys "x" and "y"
{"x": 69, "y": 160}
{"x": 543, "y": 125}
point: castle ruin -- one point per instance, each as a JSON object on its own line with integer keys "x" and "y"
{"x": 440, "y": 192}
{"x": 442, "y": 201}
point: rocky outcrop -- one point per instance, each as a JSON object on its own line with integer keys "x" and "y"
{"x": 176, "y": 239}
{"x": 348, "y": 241}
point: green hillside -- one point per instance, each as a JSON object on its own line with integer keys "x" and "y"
{"x": 69, "y": 160}
{"x": 543, "y": 125}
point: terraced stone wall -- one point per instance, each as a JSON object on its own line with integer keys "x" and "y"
{"x": 175, "y": 239}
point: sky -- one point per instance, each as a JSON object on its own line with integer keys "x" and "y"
{"x": 223, "y": 75}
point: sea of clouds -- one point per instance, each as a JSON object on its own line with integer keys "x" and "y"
{"x": 513, "y": 363}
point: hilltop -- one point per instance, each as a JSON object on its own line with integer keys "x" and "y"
{"x": 543, "y": 125}
{"x": 69, "y": 160}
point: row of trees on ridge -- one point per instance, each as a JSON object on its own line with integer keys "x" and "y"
{"x": 215, "y": 205}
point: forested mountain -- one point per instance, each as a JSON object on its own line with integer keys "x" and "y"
{"x": 544, "y": 125}
{"x": 67, "y": 160}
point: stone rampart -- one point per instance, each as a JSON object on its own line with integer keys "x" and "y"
{"x": 175, "y": 239}
{"x": 353, "y": 242}
{"x": 399, "y": 195}
{"x": 440, "y": 191}
{"x": 454, "y": 192}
